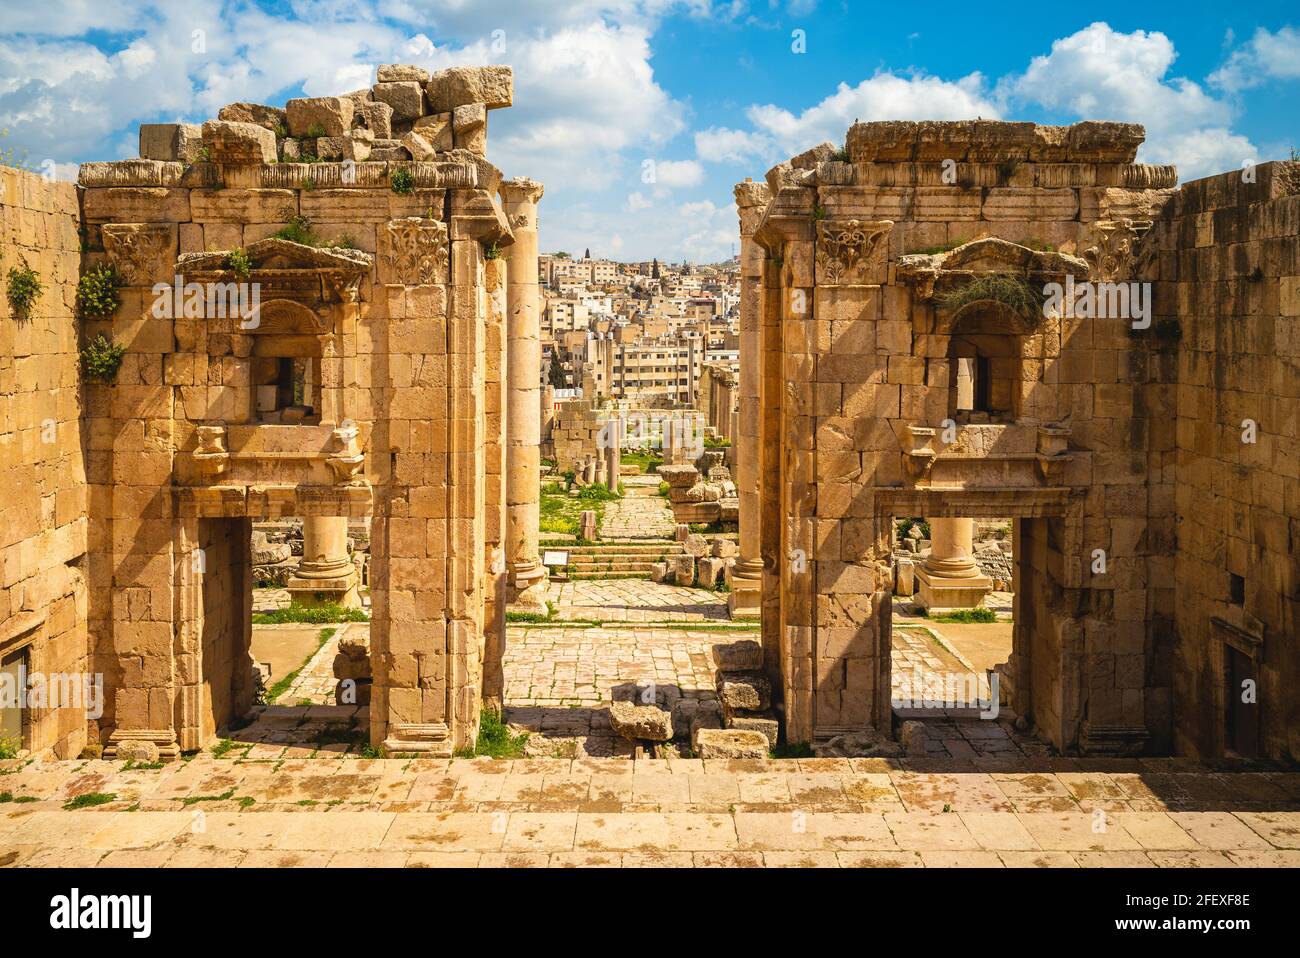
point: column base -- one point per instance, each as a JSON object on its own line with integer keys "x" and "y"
{"x": 430, "y": 741}
{"x": 528, "y": 589}
{"x": 164, "y": 740}
{"x": 745, "y": 600}
{"x": 343, "y": 590}
{"x": 937, "y": 594}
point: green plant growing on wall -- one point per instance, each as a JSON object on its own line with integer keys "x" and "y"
{"x": 97, "y": 292}
{"x": 239, "y": 263}
{"x": 298, "y": 229}
{"x": 315, "y": 131}
{"x": 23, "y": 290}
{"x": 102, "y": 358}
{"x": 1014, "y": 292}
{"x": 492, "y": 251}
{"x": 402, "y": 181}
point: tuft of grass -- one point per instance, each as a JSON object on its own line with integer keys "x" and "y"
{"x": 311, "y": 615}
{"x": 495, "y": 739}
{"x": 967, "y": 615}
{"x": 9, "y": 748}
{"x": 237, "y": 262}
{"x": 222, "y": 747}
{"x": 195, "y": 799}
{"x": 89, "y": 800}
{"x": 402, "y": 181}
{"x": 298, "y": 229}
{"x": 1011, "y": 291}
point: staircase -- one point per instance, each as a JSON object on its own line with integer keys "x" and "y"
{"x": 623, "y": 559}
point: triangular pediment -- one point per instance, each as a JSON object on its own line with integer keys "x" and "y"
{"x": 273, "y": 253}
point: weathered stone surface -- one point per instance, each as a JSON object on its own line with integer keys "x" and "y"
{"x": 406, "y": 97}
{"x": 398, "y": 72}
{"x": 635, "y": 722}
{"x": 708, "y": 714}
{"x": 137, "y": 750}
{"x": 437, "y": 130}
{"x": 377, "y": 118}
{"x": 744, "y": 691}
{"x": 683, "y": 567}
{"x": 418, "y": 147}
{"x": 492, "y": 86}
{"x": 270, "y": 117}
{"x": 319, "y": 116}
{"x": 171, "y": 141}
{"x": 724, "y": 548}
{"x": 238, "y": 144}
{"x": 762, "y": 722}
{"x": 469, "y": 126}
{"x": 743, "y": 655}
{"x": 713, "y": 743}
{"x": 709, "y": 572}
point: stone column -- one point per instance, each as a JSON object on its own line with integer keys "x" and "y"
{"x": 949, "y": 578}
{"x": 523, "y": 424}
{"x": 744, "y": 600}
{"x": 326, "y": 573}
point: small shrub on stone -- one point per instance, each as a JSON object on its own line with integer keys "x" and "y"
{"x": 402, "y": 181}
{"x": 97, "y": 292}
{"x": 23, "y": 290}
{"x": 102, "y": 358}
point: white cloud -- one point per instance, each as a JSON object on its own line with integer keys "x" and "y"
{"x": 1098, "y": 73}
{"x": 675, "y": 174}
{"x": 1268, "y": 56}
{"x": 636, "y": 201}
{"x": 779, "y": 133}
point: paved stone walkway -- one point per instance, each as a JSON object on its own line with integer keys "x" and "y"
{"x": 685, "y": 812}
{"x": 316, "y": 682}
{"x": 635, "y": 600}
{"x": 641, "y": 514}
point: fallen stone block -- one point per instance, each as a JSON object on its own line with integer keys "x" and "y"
{"x": 744, "y": 691}
{"x": 406, "y": 97}
{"x": 398, "y": 72}
{"x": 377, "y": 117}
{"x": 437, "y": 130}
{"x": 708, "y": 572}
{"x": 171, "y": 142}
{"x": 696, "y": 545}
{"x": 271, "y": 117}
{"x": 319, "y": 116}
{"x": 745, "y": 655}
{"x": 683, "y": 569}
{"x": 764, "y": 722}
{"x": 708, "y": 714}
{"x": 730, "y": 743}
{"x": 493, "y": 86}
{"x": 469, "y": 125}
{"x": 635, "y": 722}
{"x": 238, "y": 144}
{"x": 724, "y": 548}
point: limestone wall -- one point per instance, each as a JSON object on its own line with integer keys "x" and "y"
{"x": 868, "y": 255}
{"x": 43, "y": 526}
{"x": 388, "y": 287}
{"x": 1229, "y": 273}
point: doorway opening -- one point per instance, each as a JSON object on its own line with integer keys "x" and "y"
{"x": 285, "y": 637}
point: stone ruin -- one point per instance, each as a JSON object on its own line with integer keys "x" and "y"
{"x": 902, "y": 355}
{"x": 326, "y": 311}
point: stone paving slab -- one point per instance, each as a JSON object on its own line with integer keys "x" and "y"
{"x": 635, "y": 600}
{"x": 618, "y": 813}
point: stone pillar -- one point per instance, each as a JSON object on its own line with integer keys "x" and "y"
{"x": 326, "y": 573}
{"x": 523, "y": 424}
{"x": 949, "y": 578}
{"x": 744, "y": 600}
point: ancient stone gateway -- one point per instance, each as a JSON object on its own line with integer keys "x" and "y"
{"x": 365, "y": 376}
{"x": 910, "y": 361}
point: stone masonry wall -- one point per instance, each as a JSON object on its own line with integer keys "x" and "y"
{"x": 1229, "y": 275}
{"x": 43, "y": 524}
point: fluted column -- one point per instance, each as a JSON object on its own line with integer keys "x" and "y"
{"x": 519, "y": 198}
{"x": 950, "y": 578}
{"x": 745, "y": 599}
{"x": 326, "y": 572}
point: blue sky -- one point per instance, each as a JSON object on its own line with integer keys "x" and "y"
{"x": 700, "y": 93}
